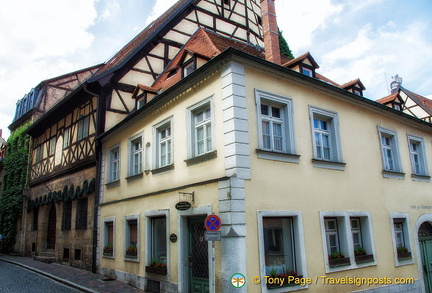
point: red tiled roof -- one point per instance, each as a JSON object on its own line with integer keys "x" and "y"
{"x": 299, "y": 59}
{"x": 424, "y": 101}
{"x": 353, "y": 82}
{"x": 388, "y": 98}
{"x": 205, "y": 44}
{"x": 323, "y": 78}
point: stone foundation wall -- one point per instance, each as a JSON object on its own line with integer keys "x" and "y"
{"x": 73, "y": 246}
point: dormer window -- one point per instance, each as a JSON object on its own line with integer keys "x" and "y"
{"x": 172, "y": 72}
{"x": 189, "y": 67}
{"x": 307, "y": 71}
{"x": 397, "y": 106}
{"x": 357, "y": 92}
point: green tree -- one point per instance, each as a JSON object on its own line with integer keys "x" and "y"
{"x": 14, "y": 180}
{"x": 284, "y": 48}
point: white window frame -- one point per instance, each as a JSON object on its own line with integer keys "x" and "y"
{"x": 332, "y": 232}
{"x": 39, "y": 153}
{"x": 127, "y": 219}
{"x": 345, "y": 237}
{"x": 52, "y": 146}
{"x": 83, "y": 127}
{"x": 135, "y": 156}
{"x": 285, "y": 105}
{"x": 105, "y": 235}
{"x": 335, "y": 160}
{"x": 299, "y": 244}
{"x": 389, "y": 171}
{"x": 159, "y": 141}
{"x": 191, "y": 114}
{"x": 66, "y": 137}
{"x": 155, "y": 214}
{"x": 356, "y": 230}
{"x": 114, "y": 164}
{"x": 404, "y": 218}
{"x": 421, "y": 171}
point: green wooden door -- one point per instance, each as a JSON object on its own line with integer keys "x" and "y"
{"x": 198, "y": 257}
{"x": 426, "y": 254}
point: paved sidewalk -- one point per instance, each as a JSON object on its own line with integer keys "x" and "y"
{"x": 80, "y": 279}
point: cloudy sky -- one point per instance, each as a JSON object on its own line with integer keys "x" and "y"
{"x": 370, "y": 39}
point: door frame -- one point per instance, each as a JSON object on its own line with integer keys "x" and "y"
{"x": 183, "y": 248}
{"x": 423, "y": 218}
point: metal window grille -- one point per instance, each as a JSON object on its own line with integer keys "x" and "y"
{"x": 67, "y": 216}
{"x": 81, "y": 219}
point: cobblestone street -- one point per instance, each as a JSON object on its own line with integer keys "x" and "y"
{"x": 82, "y": 281}
{"x": 17, "y": 279}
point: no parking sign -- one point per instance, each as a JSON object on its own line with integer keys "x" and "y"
{"x": 212, "y": 223}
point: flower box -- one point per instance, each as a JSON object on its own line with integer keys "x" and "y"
{"x": 108, "y": 251}
{"x": 157, "y": 270}
{"x": 404, "y": 255}
{"x": 131, "y": 254}
{"x": 339, "y": 262}
{"x": 364, "y": 258}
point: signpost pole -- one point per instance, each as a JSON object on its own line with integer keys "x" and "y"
{"x": 212, "y": 224}
{"x": 213, "y": 287}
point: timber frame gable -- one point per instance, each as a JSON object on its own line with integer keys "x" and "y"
{"x": 409, "y": 103}
{"x": 61, "y": 144}
{"x": 143, "y": 59}
{"x": 47, "y": 93}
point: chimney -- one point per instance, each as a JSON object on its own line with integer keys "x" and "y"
{"x": 271, "y": 32}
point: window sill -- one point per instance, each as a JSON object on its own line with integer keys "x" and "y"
{"x": 339, "y": 166}
{"x": 201, "y": 158}
{"x": 424, "y": 178}
{"x": 133, "y": 177}
{"x": 113, "y": 184}
{"x": 275, "y": 156}
{"x": 393, "y": 174}
{"x": 162, "y": 169}
{"x": 403, "y": 259}
{"x": 131, "y": 259}
{"x": 109, "y": 256}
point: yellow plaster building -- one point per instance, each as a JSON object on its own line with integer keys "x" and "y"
{"x": 313, "y": 184}
{"x": 308, "y": 179}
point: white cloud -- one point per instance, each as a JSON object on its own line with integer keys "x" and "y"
{"x": 299, "y": 20}
{"x": 110, "y": 9}
{"x": 159, "y": 8}
{"x": 376, "y": 55}
{"x": 37, "y": 41}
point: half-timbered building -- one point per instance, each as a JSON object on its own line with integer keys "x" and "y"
{"x": 59, "y": 217}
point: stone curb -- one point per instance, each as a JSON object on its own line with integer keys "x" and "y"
{"x": 55, "y": 278}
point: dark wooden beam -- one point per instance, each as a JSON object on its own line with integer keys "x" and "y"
{"x": 127, "y": 88}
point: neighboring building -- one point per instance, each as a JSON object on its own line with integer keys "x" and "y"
{"x": 306, "y": 175}
{"x": 58, "y": 219}
{"x": 407, "y": 101}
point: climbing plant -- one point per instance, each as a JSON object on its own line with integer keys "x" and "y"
{"x": 14, "y": 180}
{"x": 283, "y": 45}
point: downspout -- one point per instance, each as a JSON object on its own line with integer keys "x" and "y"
{"x": 97, "y": 185}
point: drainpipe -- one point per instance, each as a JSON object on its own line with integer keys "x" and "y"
{"x": 97, "y": 185}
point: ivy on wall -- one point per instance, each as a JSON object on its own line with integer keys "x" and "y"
{"x": 283, "y": 45}
{"x": 68, "y": 193}
{"x": 14, "y": 180}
